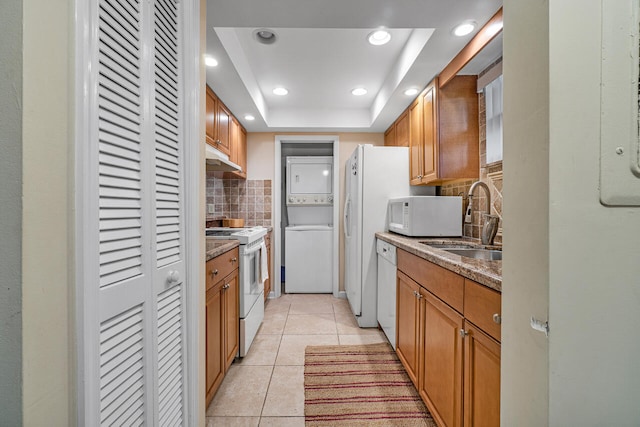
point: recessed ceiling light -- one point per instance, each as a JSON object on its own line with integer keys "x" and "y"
{"x": 411, "y": 92}
{"x": 359, "y": 91}
{"x": 280, "y": 91}
{"x": 379, "y": 37}
{"x": 249, "y": 117}
{"x": 210, "y": 61}
{"x": 265, "y": 36}
{"x": 465, "y": 28}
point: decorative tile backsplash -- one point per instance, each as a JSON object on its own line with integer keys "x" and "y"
{"x": 238, "y": 198}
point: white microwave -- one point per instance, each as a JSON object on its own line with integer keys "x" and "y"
{"x": 426, "y": 216}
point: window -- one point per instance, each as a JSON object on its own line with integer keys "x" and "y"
{"x": 493, "y": 108}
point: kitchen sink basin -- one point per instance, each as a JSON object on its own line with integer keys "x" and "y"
{"x": 487, "y": 254}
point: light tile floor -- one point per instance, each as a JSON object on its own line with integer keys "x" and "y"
{"x": 266, "y": 388}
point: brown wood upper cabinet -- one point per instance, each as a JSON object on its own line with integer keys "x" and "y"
{"x": 225, "y": 133}
{"x": 223, "y": 128}
{"x": 238, "y": 149}
{"x": 217, "y": 122}
{"x": 398, "y": 132}
{"x": 390, "y": 136}
{"x": 211, "y": 102}
{"x": 444, "y": 132}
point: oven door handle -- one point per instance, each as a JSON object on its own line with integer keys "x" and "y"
{"x": 252, "y": 250}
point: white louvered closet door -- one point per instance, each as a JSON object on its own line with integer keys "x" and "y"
{"x": 140, "y": 215}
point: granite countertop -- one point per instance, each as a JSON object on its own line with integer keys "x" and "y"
{"x": 488, "y": 273}
{"x": 218, "y": 247}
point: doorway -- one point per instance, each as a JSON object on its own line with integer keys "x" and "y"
{"x": 302, "y": 145}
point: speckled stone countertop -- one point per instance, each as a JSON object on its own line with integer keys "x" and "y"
{"x": 218, "y": 247}
{"x": 488, "y": 273}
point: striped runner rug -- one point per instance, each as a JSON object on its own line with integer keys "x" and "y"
{"x": 359, "y": 385}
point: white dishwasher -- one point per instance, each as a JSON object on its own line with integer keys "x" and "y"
{"x": 387, "y": 289}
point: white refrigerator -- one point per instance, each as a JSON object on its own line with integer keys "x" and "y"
{"x": 374, "y": 174}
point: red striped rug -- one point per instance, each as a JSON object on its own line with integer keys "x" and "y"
{"x": 359, "y": 385}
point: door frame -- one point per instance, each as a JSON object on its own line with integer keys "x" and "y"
{"x": 277, "y": 201}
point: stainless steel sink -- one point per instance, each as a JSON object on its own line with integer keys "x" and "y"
{"x": 487, "y": 254}
{"x": 446, "y": 246}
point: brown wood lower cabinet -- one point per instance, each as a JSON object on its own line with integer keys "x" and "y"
{"x": 481, "y": 379}
{"x": 407, "y": 327}
{"x": 222, "y": 319}
{"x": 454, "y": 364}
{"x": 231, "y": 299}
{"x": 440, "y": 384}
{"x": 214, "y": 334}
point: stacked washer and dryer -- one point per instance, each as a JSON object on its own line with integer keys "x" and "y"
{"x": 309, "y": 233}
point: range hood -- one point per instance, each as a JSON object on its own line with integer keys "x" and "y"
{"x": 219, "y": 162}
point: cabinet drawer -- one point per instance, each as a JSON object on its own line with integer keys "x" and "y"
{"x": 481, "y": 304}
{"x": 219, "y": 267}
{"x": 445, "y": 284}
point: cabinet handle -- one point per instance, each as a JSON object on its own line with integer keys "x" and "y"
{"x": 234, "y": 259}
{"x": 463, "y": 333}
{"x": 214, "y": 272}
{"x": 497, "y": 318}
{"x": 226, "y": 286}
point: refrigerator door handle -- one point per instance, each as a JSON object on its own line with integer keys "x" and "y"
{"x": 347, "y": 216}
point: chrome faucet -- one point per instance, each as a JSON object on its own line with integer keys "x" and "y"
{"x": 490, "y": 227}
{"x": 486, "y": 190}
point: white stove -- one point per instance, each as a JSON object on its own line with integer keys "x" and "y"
{"x": 252, "y": 251}
{"x": 243, "y": 235}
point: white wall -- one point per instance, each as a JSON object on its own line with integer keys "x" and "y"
{"x": 11, "y": 213}
{"x": 525, "y": 272}
{"x": 47, "y": 220}
{"x": 565, "y": 253}
{"x": 260, "y": 165}
{"x": 594, "y": 251}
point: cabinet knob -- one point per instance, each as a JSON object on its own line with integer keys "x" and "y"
{"x": 226, "y": 286}
{"x": 463, "y": 333}
{"x": 214, "y": 272}
{"x": 497, "y": 318}
{"x": 420, "y": 176}
{"x": 234, "y": 259}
